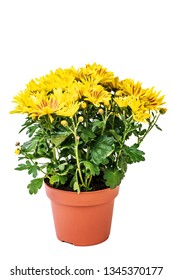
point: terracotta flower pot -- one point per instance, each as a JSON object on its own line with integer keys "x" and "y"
{"x": 82, "y": 219}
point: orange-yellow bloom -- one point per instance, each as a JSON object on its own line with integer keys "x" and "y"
{"x": 96, "y": 94}
{"x": 149, "y": 98}
{"x": 42, "y": 104}
{"x": 95, "y": 73}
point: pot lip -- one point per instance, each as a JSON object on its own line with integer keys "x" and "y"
{"x": 82, "y": 199}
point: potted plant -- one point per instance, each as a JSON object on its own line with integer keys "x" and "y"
{"x": 84, "y": 126}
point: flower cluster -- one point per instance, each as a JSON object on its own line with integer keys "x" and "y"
{"x": 80, "y": 120}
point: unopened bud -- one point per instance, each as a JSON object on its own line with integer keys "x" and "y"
{"x": 80, "y": 119}
{"x": 17, "y": 144}
{"x": 163, "y": 111}
{"x": 17, "y": 151}
{"x": 101, "y": 111}
{"x": 83, "y": 105}
{"x": 64, "y": 123}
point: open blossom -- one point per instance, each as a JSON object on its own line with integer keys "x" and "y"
{"x": 141, "y": 101}
{"x": 96, "y": 73}
{"x": 64, "y": 92}
{"x": 96, "y": 94}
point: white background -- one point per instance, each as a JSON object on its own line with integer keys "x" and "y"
{"x": 132, "y": 39}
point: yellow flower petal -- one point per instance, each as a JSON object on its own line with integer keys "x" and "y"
{"x": 17, "y": 151}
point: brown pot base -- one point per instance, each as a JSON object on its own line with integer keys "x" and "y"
{"x": 82, "y": 219}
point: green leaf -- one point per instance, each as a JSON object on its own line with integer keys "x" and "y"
{"x": 102, "y": 149}
{"x": 133, "y": 154}
{"x": 31, "y": 130}
{"x": 59, "y": 137}
{"x": 87, "y": 134}
{"x": 42, "y": 149}
{"x": 97, "y": 124}
{"x": 62, "y": 166}
{"x": 158, "y": 127}
{"x": 29, "y": 121}
{"x": 35, "y": 185}
{"x": 113, "y": 177}
{"x": 93, "y": 169}
{"x": 116, "y": 136}
{"x": 58, "y": 179}
{"x": 54, "y": 179}
{"x": 63, "y": 179}
{"x": 51, "y": 167}
{"x": 33, "y": 170}
{"x": 22, "y": 167}
{"x": 29, "y": 145}
{"x": 122, "y": 164}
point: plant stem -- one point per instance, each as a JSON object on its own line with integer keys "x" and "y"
{"x": 77, "y": 152}
{"x": 54, "y": 153}
{"x": 87, "y": 153}
{"x": 89, "y": 181}
{"x": 151, "y": 125}
{"x": 105, "y": 120}
{"x": 126, "y": 131}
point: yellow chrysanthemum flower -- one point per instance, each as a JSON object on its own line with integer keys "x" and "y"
{"x": 141, "y": 116}
{"x": 131, "y": 101}
{"x": 122, "y": 102}
{"x": 69, "y": 110}
{"x": 75, "y": 91}
{"x": 68, "y": 72}
{"x": 150, "y": 99}
{"x": 42, "y": 104}
{"x": 96, "y": 73}
{"x": 23, "y": 102}
{"x": 139, "y": 112}
{"x": 54, "y": 80}
{"x": 129, "y": 87}
{"x": 96, "y": 94}
{"x": 64, "y": 91}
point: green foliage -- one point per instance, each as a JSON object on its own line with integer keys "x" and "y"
{"x": 32, "y": 168}
{"x": 59, "y": 137}
{"x": 77, "y": 153}
{"x": 101, "y": 149}
{"x": 133, "y": 154}
{"x": 29, "y": 145}
{"x": 87, "y": 134}
{"x": 60, "y": 179}
{"x": 113, "y": 177}
{"x": 90, "y": 168}
{"x": 35, "y": 185}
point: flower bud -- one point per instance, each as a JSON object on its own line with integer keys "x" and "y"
{"x": 17, "y": 151}
{"x": 64, "y": 123}
{"x": 163, "y": 111}
{"x": 17, "y": 144}
{"x": 80, "y": 119}
{"x": 77, "y": 138}
{"x": 83, "y": 105}
{"x": 100, "y": 111}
